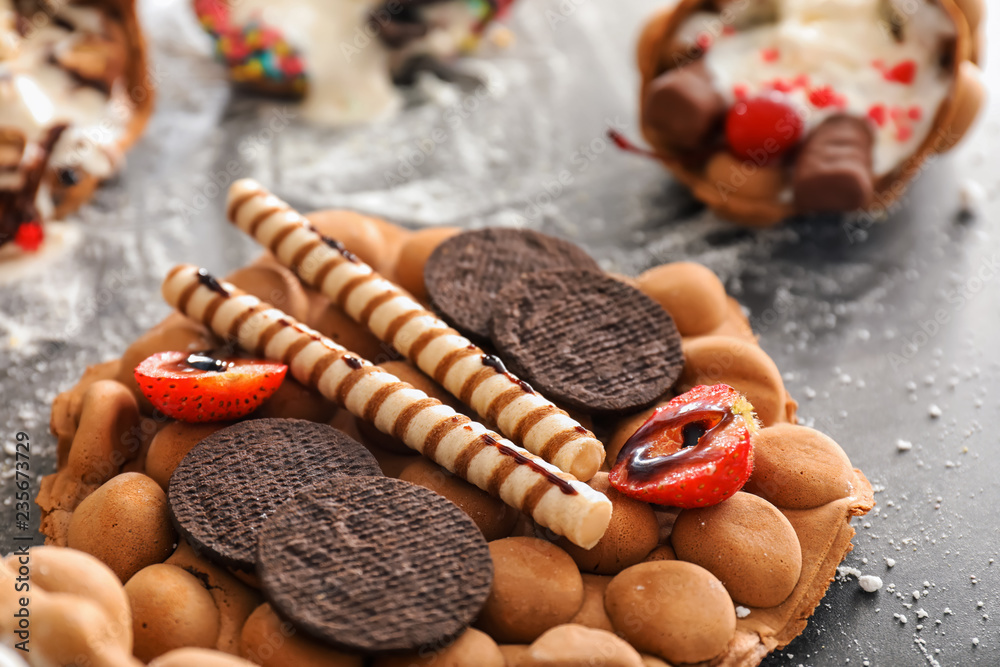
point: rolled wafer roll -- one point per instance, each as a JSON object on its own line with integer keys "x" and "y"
{"x": 475, "y": 378}
{"x": 551, "y": 497}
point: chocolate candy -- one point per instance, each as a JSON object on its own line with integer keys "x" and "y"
{"x": 833, "y": 171}
{"x": 572, "y": 334}
{"x": 374, "y": 564}
{"x": 227, "y": 486}
{"x": 464, "y": 274}
{"x": 684, "y": 106}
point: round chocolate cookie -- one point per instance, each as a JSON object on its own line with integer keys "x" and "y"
{"x": 375, "y": 564}
{"x": 586, "y": 340}
{"x": 464, "y": 274}
{"x": 229, "y": 483}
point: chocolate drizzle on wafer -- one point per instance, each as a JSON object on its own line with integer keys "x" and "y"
{"x": 255, "y": 320}
{"x": 394, "y": 317}
{"x": 496, "y": 363}
{"x": 521, "y": 459}
{"x": 211, "y": 283}
{"x": 336, "y": 245}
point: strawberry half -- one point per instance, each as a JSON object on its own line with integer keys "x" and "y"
{"x": 200, "y": 388}
{"x": 695, "y": 451}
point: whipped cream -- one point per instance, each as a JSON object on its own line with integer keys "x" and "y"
{"x": 37, "y": 94}
{"x": 838, "y": 56}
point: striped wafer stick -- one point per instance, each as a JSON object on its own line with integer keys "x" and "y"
{"x": 551, "y": 497}
{"x": 475, "y": 378}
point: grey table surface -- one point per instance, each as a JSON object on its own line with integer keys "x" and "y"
{"x": 851, "y": 324}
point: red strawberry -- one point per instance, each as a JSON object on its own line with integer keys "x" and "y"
{"x": 695, "y": 451}
{"x": 762, "y": 128}
{"x": 199, "y": 388}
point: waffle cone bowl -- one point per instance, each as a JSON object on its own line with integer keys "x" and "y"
{"x": 757, "y": 195}
{"x": 574, "y": 566}
{"x": 111, "y": 60}
{"x": 140, "y": 91}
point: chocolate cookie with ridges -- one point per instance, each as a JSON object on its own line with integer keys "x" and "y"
{"x": 397, "y": 318}
{"x": 553, "y": 498}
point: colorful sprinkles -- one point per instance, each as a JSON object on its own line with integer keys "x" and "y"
{"x": 254, "y": 53}
{"x": 899, "y": 120}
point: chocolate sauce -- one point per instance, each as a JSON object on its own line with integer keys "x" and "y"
{"x": 206, "y": 279}
{"x": 494, "y": 362}
{"x": 691, "y": 434}
{"x": 694, "y": 426}
{"x": 336, "y": 245}
{"x": 203, "y": 361}
{"x": 353, "y": 362}
{"x": 305, "y": 332}
{"x": 521, "y": 459}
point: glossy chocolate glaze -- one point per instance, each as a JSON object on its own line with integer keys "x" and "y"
{"x": 521, "y": 459}
{"x": 692, "y": 428}
{"x": 494, "y": 362}
{"x": 206, "y": 279}
{"x": 203, "y": 361}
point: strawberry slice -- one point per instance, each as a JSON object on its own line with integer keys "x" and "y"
{"x": 200, "y": 388}
{"x": 695, "y": 451}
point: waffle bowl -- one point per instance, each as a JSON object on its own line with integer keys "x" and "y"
{"x": 137, "y": 92}
{"x": 116, "y": 456}
{"x": 755, "y": 200}
{"x": 141, "y": 93}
